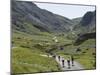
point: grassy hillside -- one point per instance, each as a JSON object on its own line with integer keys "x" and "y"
{"x": 30, "y": 52}
{"x": 86, "y": 55}
{"x": 25, "y": 60}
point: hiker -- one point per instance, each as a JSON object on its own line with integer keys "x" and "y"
{"x": 78, "y": 50}
{"x": 68, "y": 61}
{"x": 54, "y": 56}
{"x": 51, "y": 53}
{"x": 63, "y": 62}
{"x": 59, "y": 58}
{"x": 72, "y": 59}
{"x": 61, "y": 48}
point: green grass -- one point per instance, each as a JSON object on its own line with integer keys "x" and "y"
{"x": 29, "y": 48}
{"x": 87, "y": 59}
{"x": 25, "y": 60}
{"x": 87, "y": 56}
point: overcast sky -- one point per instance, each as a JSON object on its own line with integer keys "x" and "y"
{"x": 69, "y": 11}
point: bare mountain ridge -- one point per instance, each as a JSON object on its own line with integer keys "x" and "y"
{"x": 87, "y": 23}
{"x": 28, "y": 12}
{"x": 28, "y": 18}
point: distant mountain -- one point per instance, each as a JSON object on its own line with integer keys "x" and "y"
{"x": 29, "y": 18}
{"x": 77, "y": 20}
{"x": 88, "y": 18}
{"x": 87, "y": 23}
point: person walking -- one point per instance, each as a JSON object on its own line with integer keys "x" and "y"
{"x": 72, "y": 60}
{"x": 63, "y": 61}
{"x": 68, "y": 61}
{"x": 59, "y": 58}
{"x": 54, "y": 56}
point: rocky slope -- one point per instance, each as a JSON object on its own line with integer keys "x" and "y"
{"x": 29, "y": 18}
{"x": 26, "y": 15}
{"x": 87, "y": 23}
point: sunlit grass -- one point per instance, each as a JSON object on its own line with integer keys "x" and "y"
{"x": 25, "y": 60}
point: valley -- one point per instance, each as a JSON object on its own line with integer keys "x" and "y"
{"x": 40, "y": 36}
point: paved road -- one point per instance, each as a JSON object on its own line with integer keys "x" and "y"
{"x": 77, "y": 66}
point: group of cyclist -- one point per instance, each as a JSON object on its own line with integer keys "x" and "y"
{"x": 70, "y": 61}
